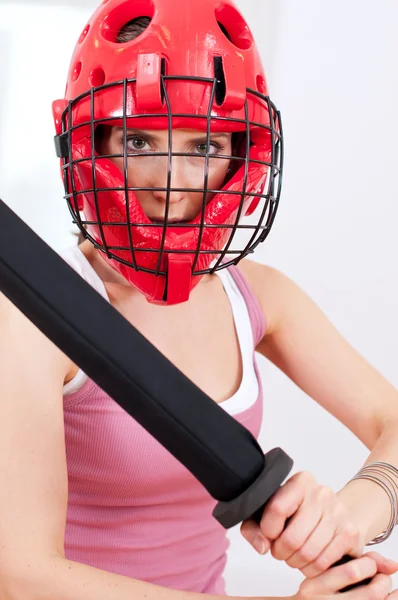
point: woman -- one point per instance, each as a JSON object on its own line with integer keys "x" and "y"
{"x": 193, "y": 144}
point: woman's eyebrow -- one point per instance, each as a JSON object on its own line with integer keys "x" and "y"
{"x": 202, "y": 135}
{"x": 139, "y": 132}
{"x": 220, "y": 134}
{"x": 195, "y": 135}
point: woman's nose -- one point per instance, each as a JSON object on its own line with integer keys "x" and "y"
{"x": 179, "y": 180}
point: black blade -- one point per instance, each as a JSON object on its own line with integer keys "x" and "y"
{"x": 216, "y": 449}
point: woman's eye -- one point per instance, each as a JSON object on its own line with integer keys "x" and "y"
{"x": 213, "y": 148}
{"x": 137, "y": 143}
{"x": 202, "y": 148}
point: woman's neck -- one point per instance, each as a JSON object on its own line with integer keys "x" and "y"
{"x": 115, "y": 283}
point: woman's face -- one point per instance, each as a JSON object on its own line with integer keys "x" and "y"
{"x": 187, "y": 171}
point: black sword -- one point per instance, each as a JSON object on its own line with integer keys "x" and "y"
{"x": 221, "y": 453}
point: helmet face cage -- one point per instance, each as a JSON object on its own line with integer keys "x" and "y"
{"x": 266, "y": 199}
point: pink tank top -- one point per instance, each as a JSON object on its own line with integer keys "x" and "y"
{"x": 133, "y": 509}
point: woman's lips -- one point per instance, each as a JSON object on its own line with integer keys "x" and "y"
{"x": 170, "y": 221}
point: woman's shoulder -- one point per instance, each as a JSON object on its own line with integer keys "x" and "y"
{"x": 28, "y": 351}
{"x": 268, "y": 284}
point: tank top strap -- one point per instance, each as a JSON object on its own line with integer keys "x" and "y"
{"x": 76, "y": 259}
{"x": 256, "y": 314}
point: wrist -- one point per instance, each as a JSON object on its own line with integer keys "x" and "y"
{"x": 368, "y": 505}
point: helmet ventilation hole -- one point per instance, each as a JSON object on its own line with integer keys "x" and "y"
{"x": 163, "y": 72}
{"x": 97, "y": 77}
{"x": 126, "y": 20}
{"x": 221, "y": 87}
{"x": 84, "y": 34}
{"x": 76, "y": 71}
{"x": 225, "y": 32}
{"x": 261, "y": 85}
{"x": 233, "y": 26}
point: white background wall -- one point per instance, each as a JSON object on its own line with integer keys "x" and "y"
{"x": 332, "y": 72}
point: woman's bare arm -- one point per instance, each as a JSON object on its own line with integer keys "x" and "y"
{"x": 33, "y": 490}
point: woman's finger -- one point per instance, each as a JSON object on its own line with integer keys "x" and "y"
{"x": 385, "y": 565}
{"x": 284, "y": 504}
{"x": 337, "y": 578}
{"x": 252, "y": 533}
{"x": 339, "y": 546}
{"x": 299, "y": 529}
{"x": 312, "y": 548}
{"x": 378, "y": 589}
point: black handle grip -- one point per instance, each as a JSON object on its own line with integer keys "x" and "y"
{"x": 251, "y": 504}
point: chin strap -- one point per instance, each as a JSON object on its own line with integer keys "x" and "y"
{"x": 179, "y": 277}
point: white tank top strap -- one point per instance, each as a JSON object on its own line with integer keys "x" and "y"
{"x": 76, "y": 259}
{"x": 249, "y": 389}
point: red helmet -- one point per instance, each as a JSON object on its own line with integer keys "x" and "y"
{"x": 196, "y": 66}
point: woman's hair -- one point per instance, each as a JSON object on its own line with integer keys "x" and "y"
{"x": 128, "y": 33}
{"x": 132, "y": 29}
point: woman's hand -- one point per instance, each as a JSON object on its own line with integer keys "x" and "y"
{"x": 319, "y": 532}
{"x": 372, "y": 564}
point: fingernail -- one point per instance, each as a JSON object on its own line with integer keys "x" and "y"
{"x": 259, "y": 544}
